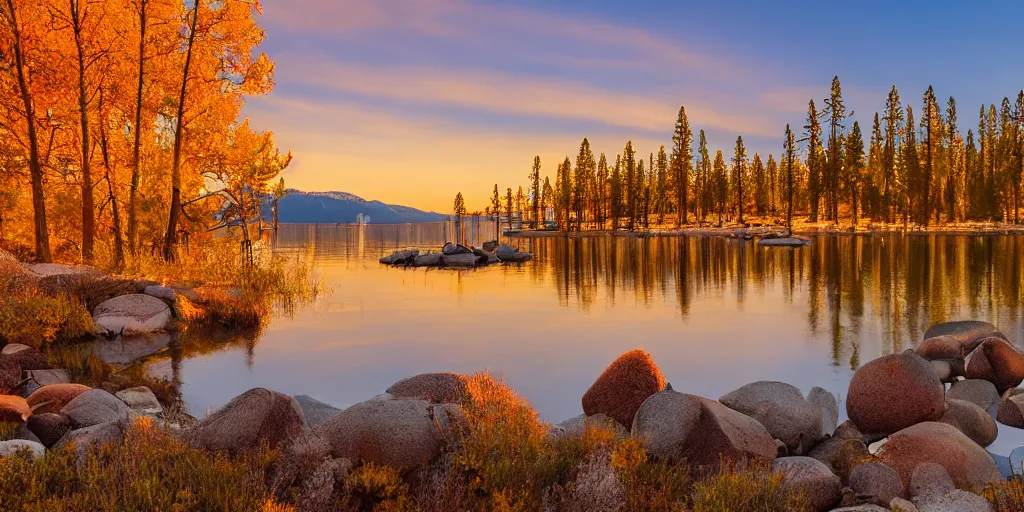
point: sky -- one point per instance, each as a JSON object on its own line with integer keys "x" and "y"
{"x": 411, "y": 101}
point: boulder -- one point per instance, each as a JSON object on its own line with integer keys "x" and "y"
{"x": 141, "y": 402}
{"x": 315, "y": 411}
{"x": 790, "y": 241}
{"x": 998, "y": 362}
{"x": 400, "y": 257}
{"x": 877, "y": 481}
{"x": 970, "y": 332}
{"x": 946, "y": 353}
{"x": 430, "y": 259}
{"x": 27, "y": 357}
{"x": 578, "y": 426}
{"x": 623, "y": 386}
{"x": 929, "y": 482}
{"x": 462, "y": 260}
{"x": 1011, "y": 411}
{"x": 403, "y": 434}
{"x": 968, "y": 464}
{"x": 970, "y": 419}
{"x": 134, "y": 314}
{"x": 943, "y": 370}
{"x": 451, "y": 249}
{"x": 781, "y": 408}
{"x": 819, "y": 486}
{"x": 958, "y": 501}
{"x": 49, "y": 427}
{"x": 93, "y": 407}
{"x": 436, "y": 388}
{"x": 124, "y": 351}
{"x": 12, "y": 447}
{"x": 164, "y": 293}
{"x": 253, "y": 418}
{"x": 53, "y": 397}
{"x": 39, "y": 378}
{"x": 901, "y": 505}
{"x": 894, "y": 392}
{"x": 977, "y": 391}
{"x": 840, "y": 455}
{"x": 507, "y": 253}
{"x": 10, "y": 374}
{"x": 677, "y": 427}
{"x": 826, "y": 402}
{"x": 861, "y": 508}
{"x": 490, "y": 246}
{"x": 84, "y": 439}
{"x": 14, "y": 409}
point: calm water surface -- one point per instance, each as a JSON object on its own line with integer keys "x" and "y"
{"x": 714, "y": 313}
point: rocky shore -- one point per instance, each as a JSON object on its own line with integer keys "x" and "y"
{"x": 457, "y": 256}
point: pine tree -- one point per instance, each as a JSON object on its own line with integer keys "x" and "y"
{"x": 773, "y": 176}
{"x": 813, "y": 133}
{"x": 631, "y": 185}
{"x": 535, "y": 190}
{"x": 459, "y": 208}
{"x": 951, "y": 173}
{"x": 876, "y": 171}
{"x": 682, "y": 163}
{"x": 854, "y": 167}
{"x": 601, "y": 197}
{"x": 760, "y": 185}
{"x": 496, "y": 202}
{"x": 893, "y": 122}
{"x": 930, "y": 117}
{"x": 705, "y": 188}
{"x": 662, "y": 172}
{"x": 547, "y": 196}
{"x": 910, "y": 165}
{"x": 739, "y": 166}
{"x": 835, "y": 110}
{"x": 721, "y": 184}
{"x": 1017, "y": 156}
{"x": 991, "y": 157}
{"x": 642, "y": 193}
{"x": 584, "y": 168}
{"x": 520, "y": 203}
{"x": 974, "y": 174}
{"x": 508, "y": 205}
{"x": 564, "y": 193}
{"x": 789, "y": 163}
{"x": 616, "y": 192}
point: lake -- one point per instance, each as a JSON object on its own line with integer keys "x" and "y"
{"x": 715, "y": 313}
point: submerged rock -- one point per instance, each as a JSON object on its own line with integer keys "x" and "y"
{"x": 623, "y": 386}
{"x": 132, "y": 315}
{"x": 462, "y": 260}
{"x": 791, "y": 241}
{"x": 430, "y": 259}
{"x": 507, "y": 253}
{"x": 123, "y": 351}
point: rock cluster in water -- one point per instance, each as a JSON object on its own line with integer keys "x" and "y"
{"x": 910, "y": 443}
{"x": 457, "y": 256}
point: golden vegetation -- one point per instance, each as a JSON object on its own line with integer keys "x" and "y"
{"x": 1006, "y": 496}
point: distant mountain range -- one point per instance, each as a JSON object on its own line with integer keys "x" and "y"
{"x": 341, "y": 207}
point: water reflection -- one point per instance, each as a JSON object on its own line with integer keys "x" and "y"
{"x": 715, "y": 313}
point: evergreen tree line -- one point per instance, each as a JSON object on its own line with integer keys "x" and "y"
{"x": 910, "y": 172}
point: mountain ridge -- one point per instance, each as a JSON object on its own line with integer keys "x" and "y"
{"x": 336, "y": 207}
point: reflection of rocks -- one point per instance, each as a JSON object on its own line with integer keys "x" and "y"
{"x": 122, "y": 351}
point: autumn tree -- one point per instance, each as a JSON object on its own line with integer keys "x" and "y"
{"x": 584, "y": 168}
{"x": 496, "y": 202}
{"x": 534, "y": 187}
{"x": 951, "y": 171}
{"x": 616, "y": 192}
{"x": 789, "y": 165}
{"x": 759, "y": 177}
{"x": 812, "y": 131}
{"x": 601, "y": 191}
{"x": 631, "y": 183}
{"x": 835, "y": 111}
{"x": 704, "y": 189}
{"x": 721, "y": 184}
{"x": 893, "y": 124}
{"x": 853, "y": 169}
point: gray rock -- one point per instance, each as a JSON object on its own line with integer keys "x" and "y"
{"x": 782, "y": 410}
{"x": 877, "y": 480}
{"x": 507, "y": 253}
{"x": 430, "y": 259}
{"x": 814, "y": 480}
{"x": 1011, "y": 411}
{"x": 135, "y": 314}
{"x": 164, "y": 293}
{"x": 400, "y": 257}
{"x": 970, "y": 419}
{"x": 441, "y": 387}
{"x": 929, "y": 482}
{"x": 1016, "y": 461}
{"x": 84, "y": 439}
{"x": 578, "y": 425}
{"x": 12, "y": 447}
{"x": 957, "y": 501}
{"x": 825, "y": 401}
{"x": 967, "y": 330}
{"x": 861, "y": 508}
{"x": 943, "y": 369}
{"x": 451, "y": 249}
{"x": 977, "y": 391}
{"x": 94, "y": 407}
{"x": 142, "y": 402}
{"x": 462, "y": 260}
{"x": 792, "y": 241}
{"x": 124, "y": 351}
{"x": 49, "y": 427}
{"x": 400, "y": 433}
{"x": 677, "y": 426}
{"x": 40, "y": 378}
{"x": 316, "y": 412}
{"x": 249, "y": 420}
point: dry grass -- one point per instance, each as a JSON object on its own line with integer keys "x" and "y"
{"x": 31, "y": 317}
{"x": 150, "y": 470}
{"x": 1006, "y": 496}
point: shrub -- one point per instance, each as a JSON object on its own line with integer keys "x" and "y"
{"x": 747, "y": 487}
{"x": 649, "y": 484}
{"x": 150, "y": 470}
{"x": 375, "y": 487}
{"x": 32, "y": 318}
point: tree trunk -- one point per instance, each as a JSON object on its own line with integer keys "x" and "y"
{"x": 88, "y": 206}
{"x": 171, "y": 236}
{"x": 42, "y": 237}
{"x": 133, "y": 195}
{"x": 115, "y": 210}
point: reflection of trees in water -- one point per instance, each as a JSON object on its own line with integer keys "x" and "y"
{"x": 903, "y": 283}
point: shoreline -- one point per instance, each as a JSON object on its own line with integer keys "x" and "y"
{"x": 757, "y": 232}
